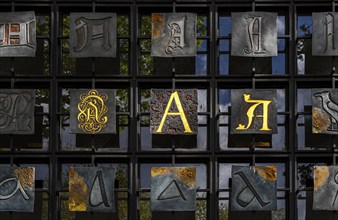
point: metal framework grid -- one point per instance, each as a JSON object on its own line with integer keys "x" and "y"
{"x": 213, "y": 157}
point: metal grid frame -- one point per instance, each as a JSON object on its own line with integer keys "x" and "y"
{"x": 134, "y": 156}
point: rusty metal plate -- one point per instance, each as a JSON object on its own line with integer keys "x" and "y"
{"x": 324, "y": 38}
{"x": 253, "y": 111}
{"x": 254, "y": 34}
{"x": 17, "y": 111}
{"x": 17, "y": 189}
{"x": 173, "y": 111}
{"x": 325, "y": 193}
{"x": 17, "y": 34}
{"x": 92, "y": 111}
{"x": 173, "y": 35}
{"x": 92, "y": 35}
{"x": 91, "y": 189}
{"x": 254, "y": 188}
{"x": 173, "y": 188}
{"x": 325, "y": 111}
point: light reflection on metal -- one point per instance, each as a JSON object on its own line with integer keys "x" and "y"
{"x": 253, "y": 111}
{"x": 325, "y": 193}
{"x": 17, "y": 111}
{"x": 173, "y": 189}
{"x": 254, "y": 189}
{"x": 17, "y": 34}
{"x": 173, "y": 35}
{"x": 91, "y": 189}
{"x": 325, "y": 111}
{"x": 92, "y": 35}
{"x": 324, "y": 38}
{"x": 93, "y": 111}
{"x": 173, "y": 111}
{"x": 17, "y": 189}
{"x": 254, "y": 34}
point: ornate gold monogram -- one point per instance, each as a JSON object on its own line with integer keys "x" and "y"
{"x": 92, "y": 116}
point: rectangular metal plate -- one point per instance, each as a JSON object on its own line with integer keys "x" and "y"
{"x": 173, "y": 35}
{"x": 92, "y": 111}
{"x": 17, "y": 111}
{"x": 254, "y": 34}
{"x": 325, "y": 193}
{"x": 325, "y": 111}
{"x": 17, "y": 189}
{"x": 253, "y": 111}
{"x": 324, "y": 38}
{"x": 173, "y": 111}
{"x": 92, "y": 35}
{"x": 254, "y": 188}
{"x": 173, "y": 188}
{"x": 91, "y": 189}
{"x": 17, "y": 34}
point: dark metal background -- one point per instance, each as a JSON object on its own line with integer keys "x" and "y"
{"x": 291, "y": 156}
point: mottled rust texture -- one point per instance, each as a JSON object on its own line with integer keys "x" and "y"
{"x": 157, "y": 25}
{"x": 268, "y": 173}
{"x": 321, "y": 120}
{"x": 26, "y": 177}
{"x": 321, "y": 173}
{"x": 185, "y": 174}
{"x": 78, "y": 192}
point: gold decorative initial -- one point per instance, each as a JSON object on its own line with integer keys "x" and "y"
{"x": 251, "y": 113}
{"x": 175, "y": 96}
{"x": 92, "y": 116}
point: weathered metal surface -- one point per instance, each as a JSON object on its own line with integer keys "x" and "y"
{"x": 325, "y": 111}
{"x": 92, "y": 35}
{"x": 253, "y": 111}
{"x": 173, "y": 35}
{"x": 254, "y": 188}
{"x": 92, "y": 111}
{"x": 173, "y": 189}
{"x": 325, "y": 193}
{"x": 254, "y": 34}
{"x": 17, "y": 34}
{"x": 17, "y": 111}
{"x": 17, "y": 189}
{"x": 324, "y": 38}
{"x": 91, "y": 189}
{"x": 173, "y": 111}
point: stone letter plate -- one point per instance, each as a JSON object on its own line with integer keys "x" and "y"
{"x": 17, "y": 189}
{"x": 254, "y": 34}
{"x": 92, "y": 35}
{"x": 324, "y": 38}
{"x": 253, "y": 111}
{"x": 325, "y": 111}
{"x": 17, "y": 111}
{"x": 91, "y": 189}
{"x": 173, "y": 111}
{"x": 173, "y": 189}
{"x": 17, "y": 34}
{"x": 254, "y": 188}
{"x": 173, "y": 35}
{"x": 92, "y": 111}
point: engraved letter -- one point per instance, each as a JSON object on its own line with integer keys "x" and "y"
{"x": 255, "y": 36}
{"x": 250, "y": 113}
{"x": 329, "y": 34}
{"x": 176, "y": 35}
{"x": 175, "y": 96}
{"x": 92, "y": 29}
{"x": 98, "y": 186}
{"x": 252, "y": 190}
{"x": 17, "y": 188}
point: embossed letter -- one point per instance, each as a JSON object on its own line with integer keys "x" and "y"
{"x": 255, "y": 36}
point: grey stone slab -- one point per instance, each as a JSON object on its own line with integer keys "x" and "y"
{"x": 17, "y": 34}
{"x": 254, "y": 34}
{"x": 92, "y": 35}
{"x": 173, "y": 35}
